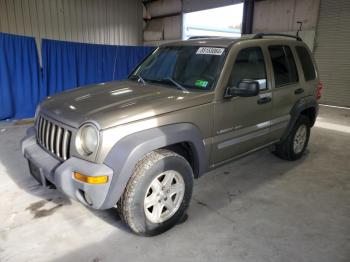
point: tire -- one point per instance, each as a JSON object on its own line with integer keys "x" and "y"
{"x": 287, "y": 149}
{"x": 151, "y": 217}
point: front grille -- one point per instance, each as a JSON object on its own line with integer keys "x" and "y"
{"x": 54, "y": 138}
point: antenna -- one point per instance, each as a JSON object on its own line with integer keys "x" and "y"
{"x": 300, "y": 27}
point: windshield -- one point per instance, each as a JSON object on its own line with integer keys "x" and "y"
{"x": 183, "y": 67}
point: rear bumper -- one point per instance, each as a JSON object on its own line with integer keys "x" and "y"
{"x": 48, "y": 168}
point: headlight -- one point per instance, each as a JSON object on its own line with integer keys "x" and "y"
{"x": 87, "y": 139}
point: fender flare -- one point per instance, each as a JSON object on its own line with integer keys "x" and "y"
{"x": 300, "y": 106}
{"x": 125, "y": 154}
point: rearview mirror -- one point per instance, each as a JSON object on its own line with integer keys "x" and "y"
{"x": 246, "y": 88}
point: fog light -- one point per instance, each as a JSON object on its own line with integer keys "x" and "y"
{"x": 91, "y": 179}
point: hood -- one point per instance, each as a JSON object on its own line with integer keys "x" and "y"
{"x": 118, "y": 102}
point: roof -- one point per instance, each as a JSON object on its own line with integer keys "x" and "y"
{"x": 226, "y": 41}
{"x": 220, "y": 42}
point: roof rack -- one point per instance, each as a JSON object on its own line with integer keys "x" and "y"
{"x": 261, "y": 35}
{"x": 201, "y": 37}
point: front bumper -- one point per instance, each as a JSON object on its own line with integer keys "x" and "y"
{"x": 44, "y": 167}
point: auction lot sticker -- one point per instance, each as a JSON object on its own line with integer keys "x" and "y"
{"x": 210, "y": 51}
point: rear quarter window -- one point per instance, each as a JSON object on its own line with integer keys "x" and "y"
{"x": 306, "y": 63}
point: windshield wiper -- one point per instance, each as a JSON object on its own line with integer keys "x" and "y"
{"x": 139, "y": 78}
{"x": 170, "y": 79}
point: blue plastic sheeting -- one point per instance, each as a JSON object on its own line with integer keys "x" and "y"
{"x": 67, "y": 65}
{"x": 19, "y": 76}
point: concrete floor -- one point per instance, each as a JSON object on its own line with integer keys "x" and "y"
{"x": 259, "y": 208}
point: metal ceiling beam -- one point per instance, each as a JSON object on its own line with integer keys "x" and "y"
{"x": 248, "y": 16}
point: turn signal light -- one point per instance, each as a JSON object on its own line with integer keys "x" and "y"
{"x": 91, "y": 179}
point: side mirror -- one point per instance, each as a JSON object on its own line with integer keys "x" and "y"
{"x": 246, "y": 88}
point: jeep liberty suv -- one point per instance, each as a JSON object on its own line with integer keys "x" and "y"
{"x": 188, "y": 108}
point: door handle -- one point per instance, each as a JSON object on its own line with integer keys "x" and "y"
{"x": 299, "y": 91}
{"x": 264, "y": 100}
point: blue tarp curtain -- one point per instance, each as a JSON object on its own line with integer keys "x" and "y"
{"x": 19, "y": 76}
{"x": 65, "y": 65}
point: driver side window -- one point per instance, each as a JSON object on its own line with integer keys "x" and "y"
{"x": 250, "y": 65}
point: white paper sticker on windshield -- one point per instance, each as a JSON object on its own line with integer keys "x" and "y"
{"x": 210, "y": 51}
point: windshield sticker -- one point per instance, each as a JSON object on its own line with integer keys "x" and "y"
{"x": 201, "y": 83}
{"x": 210, "y": 51}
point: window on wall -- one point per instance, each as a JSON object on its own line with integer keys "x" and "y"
{"x": 222, "y": 21}
{"x": 285, "y": 70}
{"x": 306, "y": 63}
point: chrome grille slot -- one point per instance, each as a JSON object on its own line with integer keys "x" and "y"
{"x": 58, "y": 141}
{"x": 54, "y": 138}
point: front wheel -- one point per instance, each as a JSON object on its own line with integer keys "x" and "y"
{"x": 293, "y": 147}
{"x": 157, "y": 194}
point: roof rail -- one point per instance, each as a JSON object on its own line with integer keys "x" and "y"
{"x": 201, "y": 37}
{"x": 261, "y": 35}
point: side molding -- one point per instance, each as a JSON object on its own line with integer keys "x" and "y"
{"x": 129, "y": 150}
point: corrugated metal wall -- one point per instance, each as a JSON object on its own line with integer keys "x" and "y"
{"x": 89, "y": 21}
{"x": 332, "y": 51}
{"x": 164, "y": 20}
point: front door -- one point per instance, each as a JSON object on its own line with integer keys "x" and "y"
{"x": 243, "y": 123}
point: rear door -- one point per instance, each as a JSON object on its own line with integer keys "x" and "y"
{"x": 287, "y": 87}
{"x": 242, "y": 123}
{"x": 308, "y": 73}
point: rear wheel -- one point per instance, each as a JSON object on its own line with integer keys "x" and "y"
{"x": 157, "y": 194}
{"x": 293, "y": 147}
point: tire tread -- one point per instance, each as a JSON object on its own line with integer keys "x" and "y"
{"x": 124, "y": 205}
{"x": 284, "y": 149}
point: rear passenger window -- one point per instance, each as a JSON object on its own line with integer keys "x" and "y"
{"x": 306, "y": 63}
{"x": 284, "y": 67}
{"x": 249, "y": 65}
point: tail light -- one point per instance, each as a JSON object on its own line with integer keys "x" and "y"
{"x": 319, "y": 90}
